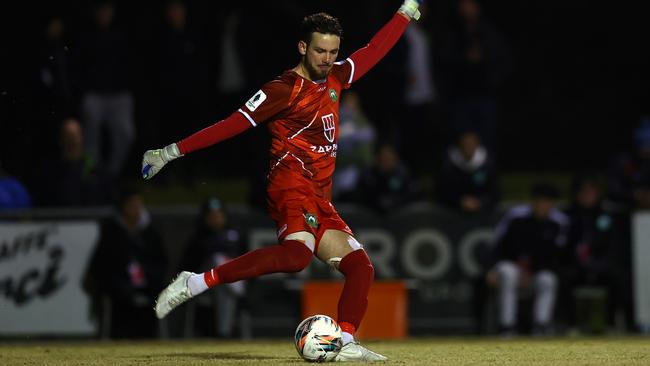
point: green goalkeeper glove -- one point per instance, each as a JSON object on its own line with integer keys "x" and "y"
{"x": 154, "y": 160}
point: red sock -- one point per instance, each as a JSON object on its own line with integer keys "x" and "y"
{"x": 353, "y": 302}
{"x": 290, "y": 256}
{"x": 347, "y": 327}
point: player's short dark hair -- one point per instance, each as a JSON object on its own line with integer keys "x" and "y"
{"x": 321, "y": 23}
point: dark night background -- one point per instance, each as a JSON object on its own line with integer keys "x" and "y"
{"x": 578, "y": 86}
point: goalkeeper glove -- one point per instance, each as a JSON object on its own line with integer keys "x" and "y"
{"x": 410, "y": 9}
{"x": 154, "y": 160}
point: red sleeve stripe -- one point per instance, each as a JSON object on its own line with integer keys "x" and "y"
{"x": 248, "y": 117}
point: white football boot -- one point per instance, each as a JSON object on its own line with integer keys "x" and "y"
{"x": 353, "y": 351}
{"x": 175, "y": 294}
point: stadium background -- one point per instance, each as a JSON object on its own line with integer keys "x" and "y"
{"x": 578, "y": 86}
{"x": 577, "y": 89}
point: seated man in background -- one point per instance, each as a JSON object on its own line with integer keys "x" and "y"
{"x": 214, "y": 242}
{"x": 128, "y": 268}
{"x": 594, "y": 247}
{"x": 528, "y": 246}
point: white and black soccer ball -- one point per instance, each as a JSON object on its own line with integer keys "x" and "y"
{"x": 318, "y": 338}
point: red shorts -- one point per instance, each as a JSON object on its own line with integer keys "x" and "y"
{"x": 305, "y": 213}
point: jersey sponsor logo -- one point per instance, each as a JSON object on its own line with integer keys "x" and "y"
{"x": 333, "y": 95}
{"x": 255, "y": 101}
{"x": 329, "y": 128}
{"x": 325, "y": 149}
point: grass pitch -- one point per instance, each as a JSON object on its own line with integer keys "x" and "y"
{"x": 423, "y": 351}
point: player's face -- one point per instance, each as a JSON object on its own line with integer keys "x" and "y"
{"x": 320, "y": 54}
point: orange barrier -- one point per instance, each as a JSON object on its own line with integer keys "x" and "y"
{"x": 387, "y": 307}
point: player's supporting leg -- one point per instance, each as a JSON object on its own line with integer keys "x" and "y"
{"x": 290, "y": 256}
{"x": 343, "y": 252}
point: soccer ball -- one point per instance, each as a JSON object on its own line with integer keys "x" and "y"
{"x": 318, "y": 338}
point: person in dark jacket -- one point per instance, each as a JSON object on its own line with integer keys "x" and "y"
{"x": 103, "y": 62}
{"x": 475, "y": 63}
{"x": 128, "y": 268}
{"x": 467, "y": 178}
{"x": 387, "y": 185}
{"x": 594, "y": 247}
{"x": 528, "y": 244}
{"x": 214, "y": 242}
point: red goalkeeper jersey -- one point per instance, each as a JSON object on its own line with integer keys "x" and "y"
{"x": 302, "y": 116}
{"x": 303, "y": 120}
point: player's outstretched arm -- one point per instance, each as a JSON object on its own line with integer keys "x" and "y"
{"x": 367, "y": 57}
{"x": 154, "y": 160}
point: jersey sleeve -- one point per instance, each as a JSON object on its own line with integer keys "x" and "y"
{"x": 343, "y": 71}
{"x": 271, "y": 100}
{"x": 222, "y": 130}
{"x": 367, "y": 57}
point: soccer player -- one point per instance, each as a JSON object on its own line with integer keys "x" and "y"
{"x": 300, "y": 108}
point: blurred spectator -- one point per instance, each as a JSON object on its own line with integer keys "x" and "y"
{"x": 594, "y": 245}
{"x": 355, "y": 146}
{"x": 54, "y": 91}
{"x": 215, "y": 242}
{"x": 387, "y": 185}
{"x": 475, "y": 62}
{"x": 104, "y": 78}
{"x": 71, "y": 178}
{"x": 526, "y": 255}
{"x": 629, "y": 173}
{"x": 127, "y": 269}
{"x": 467, "y": 178}
{"x": 13, "y": 193}
{"x": 183, "y": 74}
{"x": 231, "y": 80}
{"x": 420, "y": 93}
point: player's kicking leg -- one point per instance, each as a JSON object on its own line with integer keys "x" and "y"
{"x": 290, "y": 256}
{"x": 342, "y": 251}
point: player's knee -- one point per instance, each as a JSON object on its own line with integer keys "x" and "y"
{"x": 298, "y": 263}
{"x": 369, "y": 271}
{"x": 358, "y": 263}
{"x": 367, "y": 267}
{"x": 507, "y": 274}
{"x": 546, "y": 281}
{"x": 298, "y": 256}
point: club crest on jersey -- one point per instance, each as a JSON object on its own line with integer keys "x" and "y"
{"x": 333, "y": 95}
{"x": 255, "y": 101}
{"x": 311, "y": 220}
{"x": 329, "y": 128}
